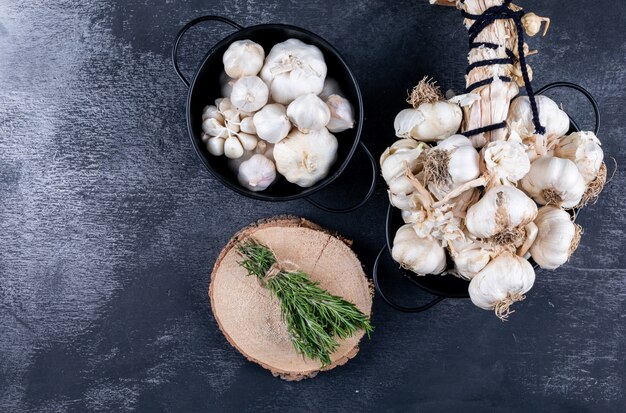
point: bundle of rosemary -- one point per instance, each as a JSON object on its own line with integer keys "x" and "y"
{"x": 314, "y": 318}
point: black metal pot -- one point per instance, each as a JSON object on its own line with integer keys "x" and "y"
{"x": 205, "y": 87}
{"x": 449, "y": 286}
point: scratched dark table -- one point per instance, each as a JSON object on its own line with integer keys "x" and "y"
{"x": 109, "y": 224}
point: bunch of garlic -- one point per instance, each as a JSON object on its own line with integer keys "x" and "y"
{"x": 493, "y": 206}
{"x": 278, "y": 114}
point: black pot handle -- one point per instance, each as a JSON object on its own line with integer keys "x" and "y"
{"x": 363, "y": 201}
{"x": 394, "y": 305}
{"x": 585, "y": 92}
{"x": 188, "y": 26}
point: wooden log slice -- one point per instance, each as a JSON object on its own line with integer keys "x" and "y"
{"x": 249, "y": 316}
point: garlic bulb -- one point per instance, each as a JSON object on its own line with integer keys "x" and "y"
{"x": 557, "y": 237}
{"x": 554, "y": 181}
{"x": 520, "y": 117}
{"x": 305, "y": 158}
{"x": 331, "y": 87}
{"x": 506, "y": 162}
{"x": 582, "y": 148}
{"x": 257, "y": 173}
{"x": 394, "y": 161}
{"x": 271, "y": 123}
{"x": 341, "y": 114}
{"x": 249, "y": 94}
{"x": 420, "y": 255}
{"x": 308, "y": 113}
{"x": 429, "y": 121}
{"x": 451, "y": 163}
{"x": 243, "y": 58}
{"x": 292, "y": 69}
{"x": 499, "y": 212}
{"x": 501, "y": 283}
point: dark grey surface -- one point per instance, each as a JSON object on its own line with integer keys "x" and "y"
{"x": 109, "y": 225}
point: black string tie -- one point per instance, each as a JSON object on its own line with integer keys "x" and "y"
{"x": 481, "y": 21}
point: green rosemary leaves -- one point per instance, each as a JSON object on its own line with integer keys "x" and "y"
{"x": 314, "y": 318}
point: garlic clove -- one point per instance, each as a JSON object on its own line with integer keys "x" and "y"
{"x": 293, "y": 68}
{"x": 308, "y": 113}
{"x": 554, "y": 181}
{"x": 211, "y": 111}
{"x": 405, "y": 121}
{"x": 394, "y": 161}
{"x": 501, "y": 283}
{"x": 417, "y": 254}
{"x": 271, "y": 123}
{"x": 247, "y": 125}
{"x": 213, "y": 127}
{"x": 233, "y": 148}
{"x": 582, "y": 148}
{"x": 500, "y": 210}
{"x": 304, "y": 159}
{"x": 341, "y": 114}
{"x": 249, "y": 94}
{"x": 248, "y": 142}
{"x": 215, "y": 146}
{"x": 557, "y": 238}
{"x": 243, "y": 58}
{"x": 257, "y": 173}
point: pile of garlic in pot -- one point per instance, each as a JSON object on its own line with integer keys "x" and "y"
{"x": 277, "y": 114}
{"x": 488, "y": 209}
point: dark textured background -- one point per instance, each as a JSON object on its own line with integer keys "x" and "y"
{"x": 109, "y": 225}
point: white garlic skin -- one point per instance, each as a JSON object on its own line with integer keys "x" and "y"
{"x": 305, "y": 158}
{"x": 506, "y": 160}
{"x": 429, "y": 122}
{"x": 293, "y": 68}
{"x": 500, "y": 208}
{"x": 420, "y": 255}
{"x": 341, "y": 114}
{"x": 556, "y": 175}
{"x": 582, "y": 148}
{"x": 470, "y": 262}
{"x": 551, "y": 117}
{"x": 243, "y": 58}
{"x": 308, "y": 113}
{"x": 395, "y": 159}
{"x": 556, "y": 233}
{"x": 271, "y": 123}
{"x": 249, "y": 94}
{"x": 507, "y": 274}
{"x": 256, "y": 173}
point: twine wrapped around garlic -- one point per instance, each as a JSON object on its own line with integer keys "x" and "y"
{"x": 501, "y": 190}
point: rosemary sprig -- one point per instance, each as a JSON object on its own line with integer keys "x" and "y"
{"x": 314, "y": 317}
